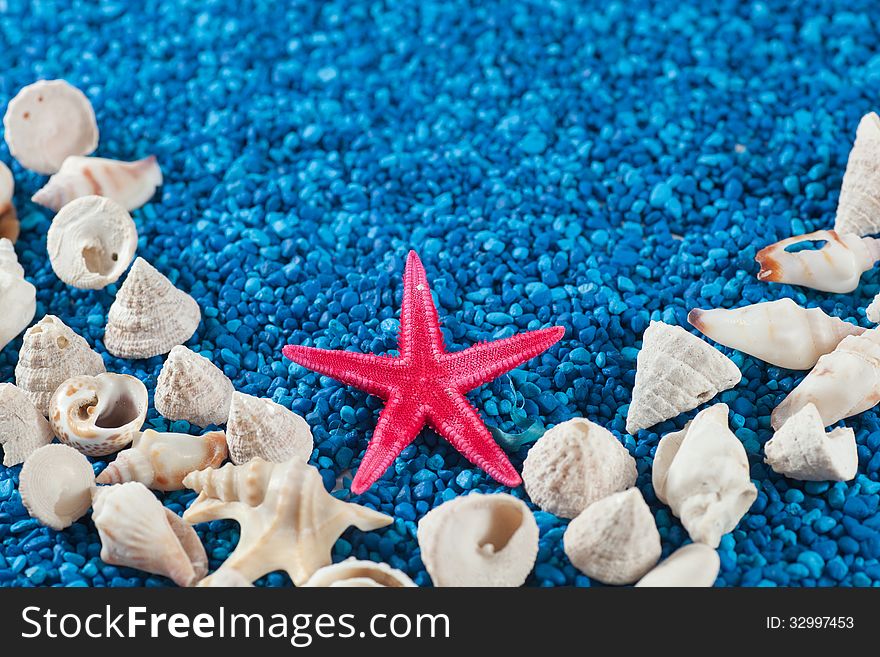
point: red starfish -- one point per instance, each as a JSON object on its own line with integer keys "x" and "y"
{"x": 426, "y": 384}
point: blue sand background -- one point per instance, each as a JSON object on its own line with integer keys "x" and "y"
{"x": 590, "y": 164}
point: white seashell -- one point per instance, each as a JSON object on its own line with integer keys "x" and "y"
{"x": 778, "y": 332}
{"x": 675, "y": 372}
{"x": 836, "y": 267}
{"x": 858, "y": 208}
{"x": 575, "y": 464}
{"x": 614, "y": 540}
{"x": 48, "y": 121}
{"x": 260, "y": 428}
{"x": 225, "y": 578}
{"x": 288, "y": 520}
{"x": 872, "y": 312}
{"x": 18, "y": 297}
{"x": 98, "y": 415}
{"x": 802, "y": 450}
{"x": 149, "y": 316}
{"x": 50, "y": 354}
{"x": 356, "y": 573}
{"x": 694, "y": 565}
{"x": 9, "y": 226}
{"x": 844, "y": 383}
{"x": 190, "y": 387}
{"x": 161, "y": 460}
{"x": 479, "y": 540}
{"x": 702, "y": 473}
{"x": 131, "y": 184}
{"x": 138, "y": 532}
{"x": 22, "y": 428}
{"x": 56, "y": 485}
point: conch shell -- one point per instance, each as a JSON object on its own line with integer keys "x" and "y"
{"x": 575, "y": 464}
{"x": 288, "y": 520}
{"x": 702, "y": 473}
{"x": 778, "y": 332}
{"x": 190, "y": 387}
{"x": 161, "y": 460}
{"x": 694, "y": 565}
{"x": 479, "y": 540}
{"x": 18, "y": 298}
{"x": 138, "y": 532}
{"x": 356, "y": 573}
{"x": 858, "y": 208}
{"x": 98, "y": 415}
{"x": 836, "y": 267}
{"x": 56, "y": 485}
{"x": 260, "y": 428}
{"x": 9, "y": 226}
{"x": 22, "y": 428}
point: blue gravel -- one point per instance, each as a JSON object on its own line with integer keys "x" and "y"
{"x": 590, "y": 164}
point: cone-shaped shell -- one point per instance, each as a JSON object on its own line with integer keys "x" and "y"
{"x": 675, "y": 372}
{"x": 225, "y": 578}
{"x": 56, "y": 485}
{"x": 190, "y": 387}
{"x": 18, "y": 298}
{"x": 149, "y": 316}
{"x": 858, "y": 208}
{"x": 694, "y": 565}
{"x": 356, "y": 573}
{"x": 575, "y": 464}
{"x": 23, "y": 428}
{"x": 9, "y": 226}
{"x": 260, "y": 428}
{"x": 50, "y": 354}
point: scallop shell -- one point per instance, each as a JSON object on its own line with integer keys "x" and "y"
{"x": 260, "y": 428}
{"x": 694, "y": 565}
{"x": 98, "y": 415}
{"x": 190, "y": 387}
{"x": 22, "y": 428}
{"x": 149, "y": 316}
{"x": 675, "y": 372}
{"x": 802, "y": 450}
{"x": 225, "y": 578}
{"x": 858, "y": 208}
{"x": 91, "y": 242}
{"x": 130, "y": 184}
{"x": 575, "y": 464}
{"x": 138, "y": 532}
{"x": 48, "y": 121}
{"x": 615, "y": 539}
{"x": 50, "y": 354}
{"x": 356, "y": 573}
{"x": 56, "y": 485}
{"x": 479, "y": 540}
{"x": 9, "y": 226}
{"x": 18, "y": 298}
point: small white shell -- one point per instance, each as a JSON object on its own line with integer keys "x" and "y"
{"x": 22, "y": 428}
{"x": 131, "y": 184}
{"x": 98, "y": 415}
{"x": 260, "y": 428}
{"x": 56, "y": 485}
{"x": 614, "y": 540}
{"x": 190, "y": 387}
{"x": 9, "y": 226}
{"x": 575, "y": 464}
{"x": 872, "y": 312}
{"x": 91, "y": 242}
{"x": 356, "y": 573}
{"x": 858, "y": 207}
{"x": 225, "y": 578}
{"x": 479, "y": 540}
{"x": 149, "y": 315}
{"x": 694, "y": 565}
{"x": 48, "y": 121}
{"x": 18, "y": 297}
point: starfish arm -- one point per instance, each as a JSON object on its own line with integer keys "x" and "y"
{"x": 368, "y": 372}
{"x": 419, "y": 322}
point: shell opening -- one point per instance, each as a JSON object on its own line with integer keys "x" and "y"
{"x": 806, "y": 245}
{"x": 97, "y": 261}
{"x": 122, "y": 411}
{"x": 502, "y": 524}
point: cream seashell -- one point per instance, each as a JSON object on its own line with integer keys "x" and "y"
{"x": 356, "y": 573}
{"x": 288, "y": 520}
{"x": 149, "y": 315}
{"x": 98, "y": 415}
{"x": 694, "y": 565}
{"x": 138, "y": 532}
{"x": 225, "y": 578}
{"x": 48, "y": 121}
{"x": 260, "y": 428}
{"x": 778, "y": 332}
{"x": 614, "y": 540}
{"x": 802, "y": 450}
{"x": 9, "y": 226}
{"x": 844, "y": 383}
{"x": 675, "y": 372}
{"x": 858, "y": 208}
{"x": 872, "y": 312}
{"x": 161, "y": 460}
{"x": 131, "y": 184}
{"x": 22, "y": 428}
{"x": 18, "y": 298}
{"x": 479, "y": 540}
{"x": 702, "y": 474}
{"x": 575, "y": 464}
{"x": 836, "y": 267}
{"x": 56, "y": 485}
{"x": 190, "y": 387}
{"x": 50, "y": 354}
{"x": 91, "y": 242}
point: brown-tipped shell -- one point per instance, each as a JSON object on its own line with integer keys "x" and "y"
{"x": 56, "y": 485}
{"x": 190, "y": 387}
{"x": 260, "y": 428}
{"x": 23, "y": 429}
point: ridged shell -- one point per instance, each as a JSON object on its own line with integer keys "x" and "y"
{"x": 18, "y": 298}
{"x": 190, "y": 387}
{"x": 56, "y": 485}
{"x": 9, "y": 225}
{"x": 356, "y": 573}
{"x": 858, "y": 207}
{"x": 22, "y": 428}
{"x": 694, "y": 565}
{"x": 260, "y": 428}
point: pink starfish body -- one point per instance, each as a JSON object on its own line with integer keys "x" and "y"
{"x": 426, "y": 384}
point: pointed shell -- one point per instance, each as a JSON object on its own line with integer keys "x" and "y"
{"x": 479, "y": 540}
{"x": 22, "y": 428}
{"x": 9, "y": 226}
{"x": 18, "y": 298}
{"x": 56, "y": 485}
{"x": 149, "y": 316}
{"x": 675, "y": 372}
{"x": 225, "y": 578}
{"x": 190, "y": 387}
{"x": 356, "y": 573}
{"x": 48, "y": 121}
{"x": 858, "y": 208}
{"x": 260, "y": 428}
{"x": 694, "y": 565}
{"x": 575, "y": 464}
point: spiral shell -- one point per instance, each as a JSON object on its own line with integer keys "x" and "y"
{"x": 260, "y": 428}
{"x": 190, "y": 387}
{"x": 9, "y": 225}
{"x": 858, "y": 207}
